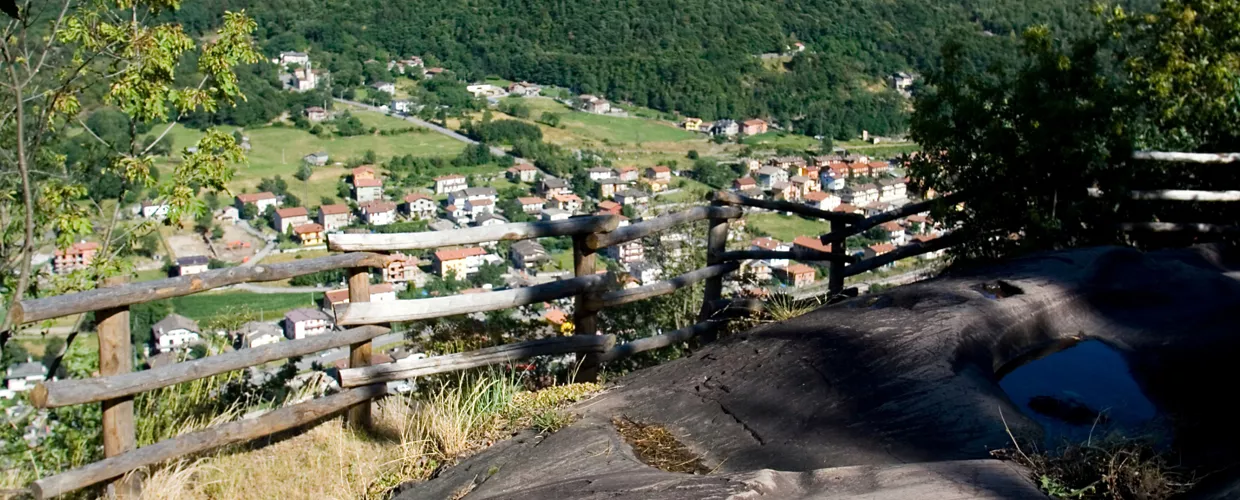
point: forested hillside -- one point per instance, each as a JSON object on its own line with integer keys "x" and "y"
{"x": 696, "y": 57}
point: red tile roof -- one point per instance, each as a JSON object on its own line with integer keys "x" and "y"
{"x": 531, "y": 200}
{"x": 285, "y": 213}
{"x": 449, "y": 177}
{"x": 766, "y": 243}
{"x": 255, "y": 197}
{"x": 412, "y": 197}
{"x": 367, "y": 183}
{"x": 333, "y": 209}
{"x": 882, "y": 248}
{"x": 811, "y": 243}
{"x": 374, "y": 207}
{"x": 796, "y": 269}
{"x": 308, "y": 228}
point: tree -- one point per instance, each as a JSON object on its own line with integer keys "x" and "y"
{"x": 693, "y": 154}
{"x": 549, "y": 119}
{"x": 489, "y": 274}
{"x": 304, "y": 172}
{"x": 248, "y": 211}
{"x": 133, "y": 58}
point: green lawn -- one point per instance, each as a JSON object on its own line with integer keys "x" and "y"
{"x": 270, "y": 305}
{"x": 779, "y": 139}
{"x": 614, "y": 129}
{"x": 786, "y": 228}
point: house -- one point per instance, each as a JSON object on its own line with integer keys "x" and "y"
{"x": 754, "y": 192}
{"x": 193, "y": 264}
{"x": 459, "y": 198}
{"x": 77, "y": 256}
{"x": 692, "y": 124}
{"x": 795, "y": 163}
{"x": 403, "y": 106}
{"x": 879, "y": 249}
{"x": 261, "y": 200}
{"x": 593, "y": 104}
{"x": 860, "y": 195}
{"x": 527, "y": 253}
{"x": 760, "y": 270}
{"x": 531, "y": 204}
{"x": 753, "y": 126}
{"x": 316, "y": 159}
{"x": 645, "y": 272}
{"x": 309, "y": 234}
{"x": 157, "y": 211}
{"x": 774, "y": 245}
{"x": 387, "y": 87}
{"x": 744, "y": 183}
{"x": 522, "y": 172}
{"x": 782, "y": 190}
{"x": 805, "y": 184}
{"x": 797, "y": 275}
{"x": 833, "y": 178}
{"x": 334, "y": 217}
{"x": 858, "y": 169}
{"x": 382, "y": 292}
{"x": 475, "y": 208}
{"x": 489, "y": 219}
{"x": 656, "y": 185}
{"x": 555, "y": 316}
{"x": 597, "y": 173}
{"x": 567, "y": 202}
{"x": 892, "y": 190}
{"x": 403, "y": 268}
{"x": 846, "y": 208}
{"x": 287, "y": 58}
{"x": 450, "y": 183}
{"x": 632, "y": 197}
{"x": 895, "y": 233}
{"x": 364, "y": 172}
{"x": 486, "y": 90}
{"x": 174, "y": 332}
{"x": 768, "y": 176}
{"x": 228, "y": 214}
{"x": 291, "y": 217}
{"x": 810, "y": 243}
{"x": 902, "y": 82}
{"x": 659, "y": 172}
{"x": 21, "y": 377}
{"x": 608, "y": 187}
{"x": 365, "y": 190}
{"x": 305, "y": 322}
{"x": 378, "y": 213}
{"x": 459, "y": 262}
{"x": 876, "y": 208}
{"x": 822, "y": 200}
{"x": 455, "y": 213}
{"x": 551, "y": 186}
{"x": 725, "y": 127}
{"x": 419, "y": 205}
{"x": 554, "y": 214}
{"x": 878, "y": 168}
{"x": 627, "y": 173}
{"x": 305, "y": 79}
{"x": 627, "y": 253}
{"x": 923, "y": 239}
{"x": 609, "y": 207}
{"x": 432, "y": 72}
{"x": 316, "y": 114}
{"x": 524, "y": 89}
{"x": 257, "y": 334}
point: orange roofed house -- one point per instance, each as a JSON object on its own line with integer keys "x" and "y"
{"x": 753, "y": 126}
{"x": 309, "y": 234}
{"x": 460, "y": 262}
{"x": 364, "y": 172}
{"x": 797, "y": 275}
{"x": 261, "y": 200}
{"x": 77, "y": 256}
{"x": 291, "y": 217}
{"x": 334, "y": 217}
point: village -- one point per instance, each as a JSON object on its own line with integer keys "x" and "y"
{"x": 275, "y": 225}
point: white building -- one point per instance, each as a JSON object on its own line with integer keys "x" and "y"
{"x": 174, "y": 332}
{"x": 388, "y": 87}
{"x": 21, "y": 377}
{"x": 257, "y": 334}
{"x": 302, "y": 323}
{"x": 379, "y": 213}
{"x": 192, "y": 264}
{"x": 155, "y": 210}
{"x": 287, "y": 58}
{"x": 450, "y": 183}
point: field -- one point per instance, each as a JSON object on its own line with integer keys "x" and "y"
{"x": 608, "y": 129}
{"x": 786, "y": 228}
{"x": 776, "y": 139}
{"x": 278, "y": 151}
{"x": 270, "y": 305}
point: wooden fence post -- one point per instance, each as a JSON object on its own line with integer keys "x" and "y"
{"x": 359, "y": 417}
{"x": 716, "y": 244}
{"x": 835, "y": 280}
{"x": 116, "y": 357}
{"x": 585, "y": 318}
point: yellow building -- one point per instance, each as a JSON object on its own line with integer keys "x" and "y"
{"x": 309, "y": 234}
{"x": 693, "y": 124}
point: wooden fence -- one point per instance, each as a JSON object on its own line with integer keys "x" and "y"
{"x": 362, "y": 381}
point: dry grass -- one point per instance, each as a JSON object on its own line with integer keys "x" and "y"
{"x": 781, "y": 307}
{"x": 657, "y": 447}
{"x": 1113, "y": 468}
{"x": 413, "y": 437}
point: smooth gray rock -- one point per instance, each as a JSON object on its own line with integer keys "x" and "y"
{"x": 790, "y": 410}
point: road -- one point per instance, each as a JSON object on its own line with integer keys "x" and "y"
{"x": 262, "y": 254}
{"x": 251, "y": 287}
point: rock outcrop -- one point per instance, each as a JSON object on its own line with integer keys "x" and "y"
{"x": 894, "y": 394}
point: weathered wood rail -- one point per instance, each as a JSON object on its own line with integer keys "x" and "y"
{"x": 363, "y": 381}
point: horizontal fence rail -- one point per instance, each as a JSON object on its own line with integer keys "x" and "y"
{"x": 620, "y": 297}
{"x": 784, "y": 206}
{"x": 472, "y": 235}
{"x": 797, "y": 253}
{"x": 900, "y": 213}
{"x": 1172, "y": 157}
{"x": 364, "y": 313}
{"x": 599, "y": 241}
{"x": 409, "y": 368}
{"x": 30, "y": 310}
{"x": 59, "y": 393}
{"x": 239, "y": 431}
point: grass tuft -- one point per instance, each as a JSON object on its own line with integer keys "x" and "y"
{"x": 655, "y": 446}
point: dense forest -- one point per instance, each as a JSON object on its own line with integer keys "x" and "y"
{"x": 696, "y": 57}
